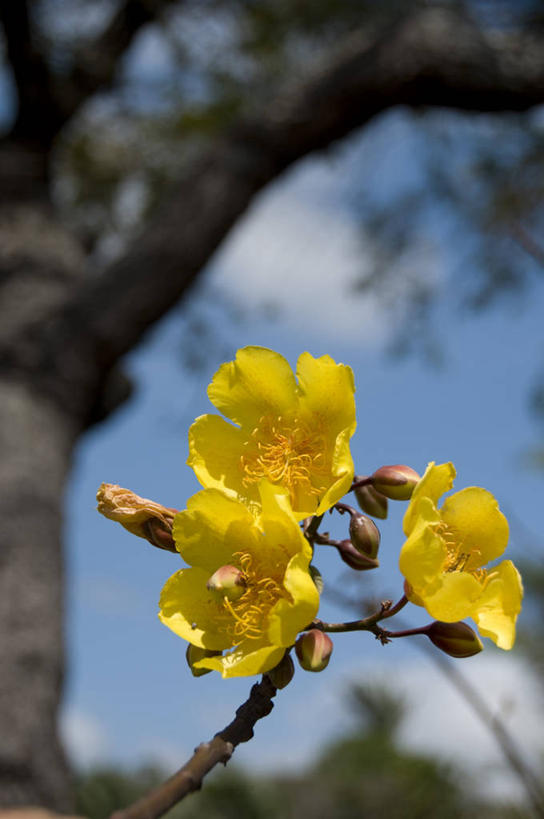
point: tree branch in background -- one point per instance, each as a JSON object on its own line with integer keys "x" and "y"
{"x": 97, "y": 61}
{"x": 220, "y": 749}
{"x": 527, "y": 242}
{"x": 45, "y": 102}
{"x": 496, "y": 726}
{"x": 435, "y": 58}
{"x": 473, "y": 698}
{"x": 37, "y": 109}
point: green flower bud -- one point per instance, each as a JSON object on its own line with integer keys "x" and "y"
{"x": 371, "y": 501}
{"x": 455, "y": 639}
{"x": 282, "y": 674}
{"x": 355, "y": 559}
{"x": 396, "y": 482}
{"x": 227, "y": 581}
{"x": 313, "y": 650}
{"x": 364, "y": 535}
{"x": 195, "y": 653}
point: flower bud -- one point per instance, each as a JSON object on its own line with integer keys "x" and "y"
{"x": 455, "y": 639}
{"x": 195, "y": 653}
{"x": 140, "y": 516}
{"x": 364, "y": 535}
{"x": 227, "y": 581}
{"x": 355, "y": 559}
{"x": 313, "y": 650}
{"x": 282, "y": 674}
{"x": 396, "y": 482}
{"x": 371, "y": 501}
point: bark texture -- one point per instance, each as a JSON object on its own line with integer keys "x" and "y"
{"x": 36, "y": 439}
{"x": 64, "y": 328}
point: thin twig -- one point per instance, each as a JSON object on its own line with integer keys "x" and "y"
{"x": 360, "y": 480}
{"x": 206, "y": 756}
{"x": 370, "y": 623}
{"x": 504, "y": 739}
{"x": 529, "y": 244}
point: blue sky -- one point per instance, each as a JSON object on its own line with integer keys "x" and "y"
{"x": 129, "y": 695}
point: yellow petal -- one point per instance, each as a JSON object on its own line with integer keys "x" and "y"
{"x": 455, "y": 598}
{"x": 185, "y": 602}
{"x": 279, "y": 523}
{"x": 215, "y": 447}
{"x": 474, "y": 516}
{"x": 259, "y": 382}
{"x": 500, "y": 605}
{"x": 213, "y": 527}
{"x": 288, "y": 617}
{"x": 327, "y": 393}
{"x": 341, "y": 473}
{"x": 247, "y": 659}
{"x": 438, "y": 478}
{"x": 423, "y": 555}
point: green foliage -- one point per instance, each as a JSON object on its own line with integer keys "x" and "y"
{"x": 104, "y": 789}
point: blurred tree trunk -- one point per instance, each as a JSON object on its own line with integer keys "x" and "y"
{"x": 38, "y": 263}
{"x": 36, "y": 441}
{"x": 63, "y": 331}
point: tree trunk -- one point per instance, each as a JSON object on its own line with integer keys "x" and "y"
{"x": 36, "y": 443}
{"x": 39, "y": 265}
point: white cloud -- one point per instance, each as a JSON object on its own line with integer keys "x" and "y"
{"x": 298, "y": 251}
{"x": 85, "y": 740}
{"x": 442, "y": 721}
{"x": 439, "y": 721}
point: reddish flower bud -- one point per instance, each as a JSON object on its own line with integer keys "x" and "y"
{"x": 364, "y": 535}
{"x": 371, "y": 501}
{"x": 455, "y": 639}
{"x": 282, "y": 674}
{"x": 227, "y": 581}
{"x": 195, "y": 653}
{"x": 355, "y": 559}
{"x": 313, "y": 650}
{"x": 396, "y": 482}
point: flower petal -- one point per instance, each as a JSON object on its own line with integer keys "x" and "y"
{"x": 288, "y": 617}
{"x": 215, "y": 447}
{"x": 207, "y": 531}
{"x": 474, "y": 515}
{"x": 184, "y": 602}
{"x": 423, "y": 555}
{"x": 455, "y": 598}
{"x": 327, "y": 393}
{"x": 246, "y": 659}
{"x": 438, "y": 478}
{"x": 279, "y": 523}
{"x": 259, "y": 382}
{"x": 341, "y": 469}
{"x": 500, "y": 605}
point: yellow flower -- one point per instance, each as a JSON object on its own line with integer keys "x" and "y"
{"x": 294, "y": 435}
{"x": 444, "y": 556}
{"x": 271, "y": 554}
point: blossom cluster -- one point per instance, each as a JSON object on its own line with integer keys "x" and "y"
{"x": 281, "y": 460}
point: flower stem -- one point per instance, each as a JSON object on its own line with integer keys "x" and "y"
{"x": 387, "y": 609}
{"x": 310, "y": 530}
{"x": 344, "y": 507}
{"x": 360, "y": 480}
{"x": 206, "y": 756}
